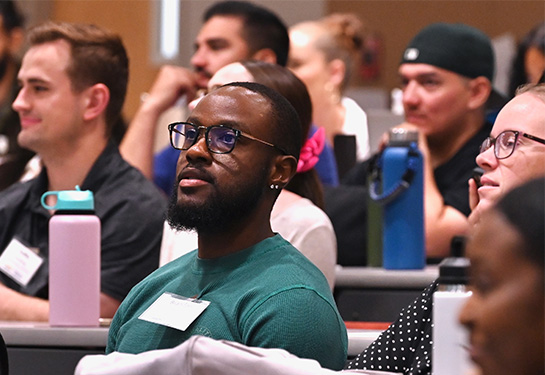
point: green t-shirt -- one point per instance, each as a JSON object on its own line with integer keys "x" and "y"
{"x": 268, "y": 295}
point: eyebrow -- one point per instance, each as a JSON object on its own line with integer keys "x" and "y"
{"x": 32, "y": 81}
{"x": 211, "y": 41}
{"x": 231, "y": 124}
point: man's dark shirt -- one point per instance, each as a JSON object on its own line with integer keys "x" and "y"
{"x": 347, "y": 204}
{"x": 13, "y": 158}
{"x": 131, "y": 211}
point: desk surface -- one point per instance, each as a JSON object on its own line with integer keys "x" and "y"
{"x": 42, "y": 335}
{"x": 374, "y": 277}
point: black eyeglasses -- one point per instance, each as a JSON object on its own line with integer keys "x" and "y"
{"x": 220, "y": 139}
{"x": 504, "y": 144}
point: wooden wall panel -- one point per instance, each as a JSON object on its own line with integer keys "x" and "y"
{"x": 129, "y": 18}
{"x": 397, "y": 21}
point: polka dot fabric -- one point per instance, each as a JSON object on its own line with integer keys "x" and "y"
{"x": 406, "y": 345}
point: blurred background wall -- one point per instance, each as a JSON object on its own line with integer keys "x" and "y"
{"x": 392, "y": 22}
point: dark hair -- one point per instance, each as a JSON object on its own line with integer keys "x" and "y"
{"x": 98, "y": 56}
{"x": 286, "y": 127}
{"x": 261, "y": 27}
{"x": 534, "y": 38}
{"x": 524, "y": 208}
{"x": 306, "y": 184}
{"x": 11, "y": 16}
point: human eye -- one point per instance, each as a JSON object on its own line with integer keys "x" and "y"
{"x": 227, "y": 137}
{"x": 430, "y": 82}
{"x": 189, "y": 132}
{"x": 293, "y": 63}
{"x": 37, "y": 88}
{"x": 217, "y": 44}
{"x": 481, "y": 283}
{"x": 508, "y": 139}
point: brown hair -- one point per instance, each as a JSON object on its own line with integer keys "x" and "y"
{"x": 306, "y": 184}
{"x": 344, "y": 39}
{"x": 98, "y": 56}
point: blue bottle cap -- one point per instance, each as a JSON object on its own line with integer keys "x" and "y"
{"x": 76, "y": 200}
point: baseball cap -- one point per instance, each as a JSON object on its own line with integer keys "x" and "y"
{"x": 457, "y": 47}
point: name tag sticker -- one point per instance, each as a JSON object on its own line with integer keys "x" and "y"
{"x": 19, "y": 262}
{"x": 174, "y": 311}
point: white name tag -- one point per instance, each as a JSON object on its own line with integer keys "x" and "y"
{"x": 174, "y": 311}
{"x": 19, "y": 262}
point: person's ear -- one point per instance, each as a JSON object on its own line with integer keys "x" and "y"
{"x": 337, "y": 71}
{"x": 479, "y": 91}
{"x": 96, "y": 99}
{"x": 266, "y": 55}
{"x": 283, "y": 169}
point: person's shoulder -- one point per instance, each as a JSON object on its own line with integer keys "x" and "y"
{"x": 303, "y": 212}
{"x": 282, "y": 261}
{"x": 15, "y": 194}
{"x": 122, "y": 181}
{"x": 165, "y": 274}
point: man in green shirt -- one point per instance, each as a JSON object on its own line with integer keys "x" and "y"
{"x": 244, "y": 283}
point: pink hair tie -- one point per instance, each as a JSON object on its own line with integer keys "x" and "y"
{"x": 310, "y": 152}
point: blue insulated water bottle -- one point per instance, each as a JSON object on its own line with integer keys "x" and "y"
{"x": 402, "y": 199}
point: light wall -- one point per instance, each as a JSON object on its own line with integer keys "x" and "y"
{"x": 396, "y": 21}
{"x": 135, "y": 21}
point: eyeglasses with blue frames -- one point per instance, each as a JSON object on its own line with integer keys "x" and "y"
{"x": 505, "y": 143}
{"x": 220, "y": 139}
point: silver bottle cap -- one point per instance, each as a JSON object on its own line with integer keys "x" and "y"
{"x": 402, "y": 137}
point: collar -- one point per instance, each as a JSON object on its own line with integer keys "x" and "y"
{"x": 108, "y": 160}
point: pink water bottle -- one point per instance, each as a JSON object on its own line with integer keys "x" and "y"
{"x": 74, "y": 259}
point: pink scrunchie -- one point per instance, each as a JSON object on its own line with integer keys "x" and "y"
{"x": 311, "y": 150}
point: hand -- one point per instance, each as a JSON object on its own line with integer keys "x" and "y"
{"x": 422, "y": 141}
{"x": 473, "y": 194}
{"x": 477, "y": 205}
{"x": 171, "y": 84}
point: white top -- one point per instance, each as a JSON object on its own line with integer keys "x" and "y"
{"x": 301, "y": 223}
{"x": 355, "y": 123}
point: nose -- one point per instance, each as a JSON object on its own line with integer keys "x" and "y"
{"x": 487, "y": 160}
{"x": 20, "y": 104}
{"x": 411, "y": 97}
{"x": 198, "y": 60}
{"x": 199, "y": 150}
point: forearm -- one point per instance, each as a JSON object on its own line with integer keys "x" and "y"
{"x": 137, "y": 146}
{"x": 108, "y": 306}
{"x": 442, "y": 222}
{"x": 17, "y": 306}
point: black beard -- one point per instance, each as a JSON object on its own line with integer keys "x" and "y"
{"x": 221, "y": 210}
